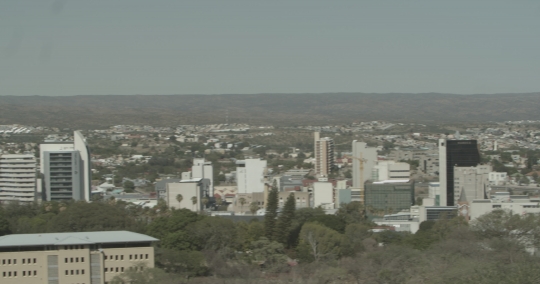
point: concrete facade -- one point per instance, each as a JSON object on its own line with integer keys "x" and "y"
{"x": 190, "y": 190}
{"x": 66, "y": 169}
{"x": 390, "y": 170}
{"x": 368, "y": 155}
{"x": 324, "y": 155}
{"x": 250, "y": 175}
{"x": 323, "y": 193}
{"x": 73, "y": 257}
{"x": 203, "y": 169}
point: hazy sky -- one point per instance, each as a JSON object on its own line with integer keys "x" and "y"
{"x": 249, "y": 46}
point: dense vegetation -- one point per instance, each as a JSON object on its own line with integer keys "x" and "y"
{"x": 301, "y": 245}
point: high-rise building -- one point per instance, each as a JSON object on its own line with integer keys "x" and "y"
{"x": 324, "y": 154}
{"x": 66, "y": 169}
{"x": 364, "y": 159}
{"x": 203, "y": 169}
{"x": 454, "y": 153}
{"x": 250, "y": 175}
{"x": 17, "y": 178}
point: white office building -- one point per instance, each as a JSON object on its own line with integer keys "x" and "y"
{"x": 390, "y": 170}
{"x": 203, "y": 169}
{"x": 186, "y": 194}
{"x": 471, "y": 183}
{"x": 364, "y": 159}
{"x": 496, "y": 178}
{"x": 17, "y": 178}
{"x": 66, "y": 168}
{"x": 250, "y": 175}
{"x": 323, "y": 194}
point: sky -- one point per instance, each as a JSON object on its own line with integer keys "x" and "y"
{"x": 123, "y": 47}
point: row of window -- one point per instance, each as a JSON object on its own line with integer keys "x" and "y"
{"x": 74, "y": 247}
{"x": 14, "y": 273}
{"x": 14, "y": 261}
{"x": 74, "y": 272}
{"x": 73, "y": 259}
{"x": 121, "y": 257}
{"x": 121, "y": 269}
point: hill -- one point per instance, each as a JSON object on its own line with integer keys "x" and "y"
{"x": 277, "y": 109}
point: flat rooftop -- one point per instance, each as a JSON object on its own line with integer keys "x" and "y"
{"x": 76, "y": 238}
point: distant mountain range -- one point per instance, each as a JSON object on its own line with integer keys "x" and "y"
{"x": 97, "y": 111}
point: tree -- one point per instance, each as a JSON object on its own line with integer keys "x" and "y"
{"x": 318, "y": 242}
{"x": 129, "y": 186}
{"x": 253, "y": 207}
{"x": 194, "y": 201}
{"x": 284, "y": 222}
{"x": 205, "y": 201}
{"x": 242, "y": 201}
{"x": 179, "y": 198}
{"x": 271, "y": 212}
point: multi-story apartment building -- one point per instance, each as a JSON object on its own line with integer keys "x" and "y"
{"x": 66, "y": 169}
{"x": 324, "y": 154}
{"x": 82, "y": 257}
{"x": 17, "y": 178}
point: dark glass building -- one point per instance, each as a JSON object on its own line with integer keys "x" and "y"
{"x": 459, "y": 153}
{"x": 388, "y": 197}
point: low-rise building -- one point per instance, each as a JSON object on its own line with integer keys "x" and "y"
{"x": 79, "y": 257}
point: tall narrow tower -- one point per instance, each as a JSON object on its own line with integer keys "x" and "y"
{"x": 324, "y": 154}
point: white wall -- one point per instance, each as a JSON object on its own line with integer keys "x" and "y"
{"x": 442, "y": 172}
{"x": 81, "y": 146}
{"x": 369, "y": 154}
{"x": 322, "y": 193}
{"x": 250, "y": 178}
{"x": 188, "y": 190}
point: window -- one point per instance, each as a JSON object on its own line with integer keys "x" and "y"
{"x": 23, "y": 261}
{"x": 117, "y": 269}
{"x": 4, "y": 274}
{"x": 82, "y": 259}
{"x": 146, "y": 256}
{"x": 77, "y": 271}
{"x": 14, "y": 261}
{"x": 141, "y": 256}
{"x": 9, "y": 274}
{"x": 67, "y": 272}
{"x": 66, "y": 260}
{"x": 71, "y": 272}
{"x": 130, "y": 256}
{"x": 30, "y": 261}
{"x": 106, "y": 269}
{"x": 116, "y": 257}
{"x": 122, "y": 269}
{"x": 122, "y": 257}
{"x": 24, "y": 273}
{"x": 15, "y": 274}
{"x": 135, "y": 256}
{"x": 35, "y": 261}
{"x": 3, "y": 261}
{"x": 9, "y": 261}
{"x": 104, "y": 257}
{"x": 76, "y": 259}
{"x": 35, "y": 272}
{"x": 82, "y": 271}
